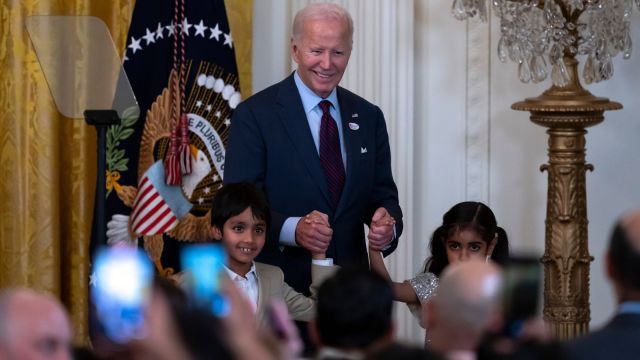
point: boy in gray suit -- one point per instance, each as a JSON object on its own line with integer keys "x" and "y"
{"x": 240, "y": 217}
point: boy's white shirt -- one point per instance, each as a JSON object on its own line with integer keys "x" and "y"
{"x": 248, "y": 284}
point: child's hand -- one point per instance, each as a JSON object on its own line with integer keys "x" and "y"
{"x": 318, "y": 255}
{"x": 381, "y": 229}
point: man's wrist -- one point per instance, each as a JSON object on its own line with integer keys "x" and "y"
{"x": 288, "y": 232}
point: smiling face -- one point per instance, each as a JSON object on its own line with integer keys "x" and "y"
{"x": 243, "y": 237}
{"x": 465, "y": 245}
{"x": 322, "y": 51}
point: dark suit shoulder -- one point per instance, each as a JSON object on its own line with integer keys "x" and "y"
{"x": 617, "y": 339}
{"x": 263, "y": 97}
{"x": 269, "y": 95}
{"x": 354, "y": 99}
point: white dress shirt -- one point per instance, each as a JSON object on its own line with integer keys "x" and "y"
{"x": 248, "y": 284}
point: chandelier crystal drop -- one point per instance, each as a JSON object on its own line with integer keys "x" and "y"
{"x": 538, "y": 33}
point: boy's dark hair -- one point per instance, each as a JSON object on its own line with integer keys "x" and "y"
{"x": 232, "y": 199}
{"x": 354, "y": 308}
{"x": 624, "y": 259}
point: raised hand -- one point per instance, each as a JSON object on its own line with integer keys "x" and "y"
{"x": 381, "y": 229}
{"x": 313, "y": 233}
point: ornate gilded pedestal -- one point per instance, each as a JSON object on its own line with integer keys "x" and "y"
{"x": 566, "y": 112}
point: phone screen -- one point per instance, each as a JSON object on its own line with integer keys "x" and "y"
{"x": 123, "y": 278}
{"x": 522, "y": 279}
{"x": 203, "y": 265}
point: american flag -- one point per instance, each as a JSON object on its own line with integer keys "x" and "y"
{"x": 158, "y": 207}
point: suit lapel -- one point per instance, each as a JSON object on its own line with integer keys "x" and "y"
{"x": 295, "y": 122}
{"x": 352, "y": 142}
{"x": 263, "y": 291}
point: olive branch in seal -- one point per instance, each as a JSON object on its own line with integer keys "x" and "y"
{"x": 116, "y": 160}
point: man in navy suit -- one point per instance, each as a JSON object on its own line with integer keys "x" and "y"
{"x": 325, "y": 166}
{"x": 620, "y": 338}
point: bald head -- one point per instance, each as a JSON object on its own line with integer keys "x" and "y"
{"x": 466, "y": 303}
{"x": 33, "y": 326}
{"x": 624, "y": 255}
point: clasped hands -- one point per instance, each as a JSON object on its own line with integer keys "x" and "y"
{"x": 313, "y": 232}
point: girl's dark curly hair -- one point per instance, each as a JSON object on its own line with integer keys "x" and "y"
{"x": 468, "y": 215}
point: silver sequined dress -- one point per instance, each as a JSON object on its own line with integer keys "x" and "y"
{"x": 425, "y": 285}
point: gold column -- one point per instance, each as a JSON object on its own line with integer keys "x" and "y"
{"x": 566, "y": 112}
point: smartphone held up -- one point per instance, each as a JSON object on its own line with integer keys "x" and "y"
{"x": 522, "y": 283}
{"x": 203, "y": 265}
{"x": 122, "y": 286}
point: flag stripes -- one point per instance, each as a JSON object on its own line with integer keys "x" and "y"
{"x": 151, "y": 214}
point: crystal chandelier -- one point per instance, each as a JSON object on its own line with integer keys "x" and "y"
{"x": 535, "y": 33}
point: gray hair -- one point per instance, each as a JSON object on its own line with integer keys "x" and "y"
{"x": 321, "y": 11}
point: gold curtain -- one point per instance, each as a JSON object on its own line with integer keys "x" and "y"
{"x": 48, "y": 162}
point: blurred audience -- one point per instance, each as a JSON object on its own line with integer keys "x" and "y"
{"x": 353, "y": 319}
{"x": 520, "y": 333}
{"x": 85, "y": 353}
{"x": 353, "y": 315}
{"x": 176, "y": 330}
{"x": 33, "y": 326}
{"x": 620, "y": 338}
{"x": 465, "y": 307}
{"x": 402, "y": 352}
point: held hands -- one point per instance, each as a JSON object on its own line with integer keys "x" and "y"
{"x": 313, "y": 233}
{"x": 381, "y": 229}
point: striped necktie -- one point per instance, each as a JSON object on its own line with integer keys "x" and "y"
{"x": 330, "y": 154}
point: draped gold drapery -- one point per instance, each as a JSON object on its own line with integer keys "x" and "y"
{"x": 48, "y": 162}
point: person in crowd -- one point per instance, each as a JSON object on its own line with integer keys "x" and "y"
{"x": 85, "y": 353}
{"x": 619, "y": 338}
{"x": 320, "y": 153}
{"x": 465, "y": 308}
{"x": 33, "y": 326}
{"x": 174, "y": 329}
{"x": 469, "y": 231}
{"x": 398, "y": 351}
{"x": 240, "y": 218}
{"x": 249, "y": 342}
{"x": 353, "y": 315}
{"x": 533, "y": 342}
{"x": 177, "y": 328}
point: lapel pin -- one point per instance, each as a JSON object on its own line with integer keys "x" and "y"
{"x": 355, "y": 115}
{"x": 354, "y": 126}
{"x": 363, "y": 150}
